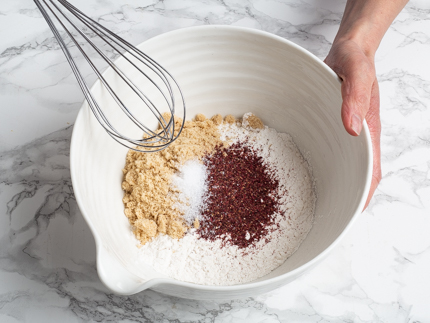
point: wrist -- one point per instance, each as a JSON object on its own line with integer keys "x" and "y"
{"x": 362, "y": 34}
{"x": 365, "y": 22}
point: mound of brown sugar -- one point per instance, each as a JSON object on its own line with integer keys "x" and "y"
{"x": 230, "y": 119}
{"x": 149, "y": 198}
{"x": 251, "y": 120}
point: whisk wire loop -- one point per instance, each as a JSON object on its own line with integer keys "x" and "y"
{"x": 90, "y": 23}
{"x": 152, "y": 140}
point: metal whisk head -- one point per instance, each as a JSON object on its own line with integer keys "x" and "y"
{"x": 135, "y": 82}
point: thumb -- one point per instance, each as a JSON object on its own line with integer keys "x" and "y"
{"x": 356, "y": 93}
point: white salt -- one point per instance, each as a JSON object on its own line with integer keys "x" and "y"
{"x": 192, "y": 185}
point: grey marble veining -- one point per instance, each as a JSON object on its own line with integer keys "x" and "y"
{"x": 379, "y": 273}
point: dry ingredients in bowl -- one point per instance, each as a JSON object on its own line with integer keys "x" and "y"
{"x": 225, "y": 204}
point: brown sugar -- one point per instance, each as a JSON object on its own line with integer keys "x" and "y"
{"x": 200, "y": 117}
{"x": 230, "y": 119}
{"x": 146, "y": 225}
{"x": 217, "y": 119}
{"x": 251, "y": 120}
{"x": 196, "y": 223}
{"x": 148, "y": 194}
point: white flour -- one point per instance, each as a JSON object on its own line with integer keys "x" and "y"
{"x": 204, "y": 262}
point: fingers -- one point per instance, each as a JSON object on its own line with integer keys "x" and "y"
{"x": 356, "y": 88}
{"x": 373, "y": 186}
{"x": 360, "y": 95}
{"x": 374, "y": 124}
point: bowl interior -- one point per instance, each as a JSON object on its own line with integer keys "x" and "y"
{"x": 232, "y": 71}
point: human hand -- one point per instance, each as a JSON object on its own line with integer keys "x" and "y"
{"x": 360, "y": 95}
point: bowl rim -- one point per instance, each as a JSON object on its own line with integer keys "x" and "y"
{"x": 220, "y": 288}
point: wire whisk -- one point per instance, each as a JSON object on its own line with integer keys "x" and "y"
{"x": 134, "y": 83}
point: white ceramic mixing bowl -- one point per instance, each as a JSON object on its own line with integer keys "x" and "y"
{"x": 230, "y": 70}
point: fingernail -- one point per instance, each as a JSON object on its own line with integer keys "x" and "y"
{"x": 356, "y": 124}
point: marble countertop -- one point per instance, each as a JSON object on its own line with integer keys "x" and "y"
{"x": 379, "y": 273}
